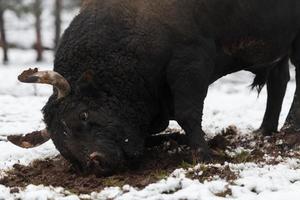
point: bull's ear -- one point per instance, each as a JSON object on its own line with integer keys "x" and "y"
{"x": 86, "y": 84}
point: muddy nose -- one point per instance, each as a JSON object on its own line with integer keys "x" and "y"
{"x": 96, "y": 158}
{"x": 98, "y": 165}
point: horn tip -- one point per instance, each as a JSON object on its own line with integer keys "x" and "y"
{"x": 26, "y": 76}
{"x": 30, "y": 140}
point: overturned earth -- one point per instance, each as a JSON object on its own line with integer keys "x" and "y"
{"x": 159, "y": 162}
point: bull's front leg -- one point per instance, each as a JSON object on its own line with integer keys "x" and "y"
{"x": 188, "y": 76}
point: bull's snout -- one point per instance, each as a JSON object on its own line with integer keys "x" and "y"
{"x": 96, "y": 164}
{"x": 96, "y": 158}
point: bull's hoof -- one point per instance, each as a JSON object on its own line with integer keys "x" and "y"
{"x": 292, "y": 140}
{"x": 265, "y": 131}
{"x": 290, "y": 129}
{"x": 200, "y": 156}
{"x": 291, "y": 137}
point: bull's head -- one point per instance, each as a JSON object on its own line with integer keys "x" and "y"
{"x": 86, "y": 131}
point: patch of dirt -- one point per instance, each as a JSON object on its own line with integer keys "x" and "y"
{"x": 58, "y": 172}
{"x": 208, "y": 173}
{"x": 158, "y": 162}
{"x": 227, "y": 192}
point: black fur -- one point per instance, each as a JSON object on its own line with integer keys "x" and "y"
{"x": 260, "y": 79}
{"x": 135, "y": 64}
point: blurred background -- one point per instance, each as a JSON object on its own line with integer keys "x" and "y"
{"x": 33, "y": 27}
{"x": 29, "y": 34}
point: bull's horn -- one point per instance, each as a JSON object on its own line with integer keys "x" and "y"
{"x": 30, "y": 140}
{"x": 47, "y": 77}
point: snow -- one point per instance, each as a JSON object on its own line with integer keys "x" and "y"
{"x": 255, "y": 182}
{"x": 268, "y": 182}
{"x": 20, "y": 33}
{"x": 229, "y": 101}
{"x": 37, "y": 193}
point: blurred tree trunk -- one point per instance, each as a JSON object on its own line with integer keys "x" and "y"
{"x": 57, "y": 13}
{"x": 3, "y": 35}
{"x": 38, "y": 28}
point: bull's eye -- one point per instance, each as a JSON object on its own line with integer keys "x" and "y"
{"x": 84, "y": 116}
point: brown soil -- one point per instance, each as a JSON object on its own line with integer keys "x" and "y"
{"x": 157, "y": 163}
{"x": 58, "y": 172}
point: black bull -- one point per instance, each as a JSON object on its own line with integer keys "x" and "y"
{"x": 126, "y": 67}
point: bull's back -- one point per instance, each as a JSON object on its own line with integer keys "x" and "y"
{"x": 256, "y": 31}
{"x": 234, "y": 17}
{"x": 240, "y": 27}
{"x": 252, "y": 31}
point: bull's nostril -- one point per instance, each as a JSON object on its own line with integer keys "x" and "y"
{"x": 99, "y": 164}
{"x": 96, "y": 156}
{"x": 95, "y": 159}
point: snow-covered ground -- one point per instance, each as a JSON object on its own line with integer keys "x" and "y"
{"x": 229, "y": 101}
